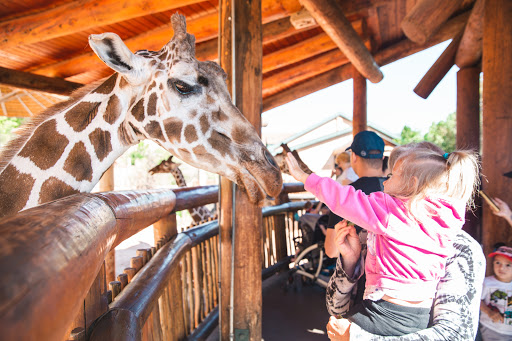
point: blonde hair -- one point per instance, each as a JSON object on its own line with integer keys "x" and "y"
{"x": 435, "y": 173}
{"x": 342, "y": 157}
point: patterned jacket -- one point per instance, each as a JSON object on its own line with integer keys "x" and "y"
{"x": 456, "y": 306}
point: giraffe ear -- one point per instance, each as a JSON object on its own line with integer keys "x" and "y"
{"x": 113, "y": 52}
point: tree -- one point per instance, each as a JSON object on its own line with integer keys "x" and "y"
{"x": 7, "y": 124}
{"x": 442, "y": 133}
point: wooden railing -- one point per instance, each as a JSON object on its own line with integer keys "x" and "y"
{"x": 52, "y": 254}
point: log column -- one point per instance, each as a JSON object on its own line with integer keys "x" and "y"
{"x": 359, "y": 116}
{"x": 468, "y": 131}
{"x": 241, "y": 21}
{"x": 497, "y": 117}
{"x": 107, "y": 185}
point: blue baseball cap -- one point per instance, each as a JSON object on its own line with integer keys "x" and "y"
{"x": 368, "y": 145}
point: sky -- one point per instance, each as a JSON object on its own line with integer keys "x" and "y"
{"x": 391, "y": 103}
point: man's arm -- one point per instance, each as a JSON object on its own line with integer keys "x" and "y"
{"x": 457, "y": 303}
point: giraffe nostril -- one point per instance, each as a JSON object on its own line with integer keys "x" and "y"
{"x": 270, "y": 159}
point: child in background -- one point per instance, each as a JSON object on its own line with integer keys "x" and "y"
{"x": 496, "y": 305}
{"x": 410, "y": 227}
{"x": 347, "y": 175}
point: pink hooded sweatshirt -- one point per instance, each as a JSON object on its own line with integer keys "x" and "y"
{"x": 406, "y": 258}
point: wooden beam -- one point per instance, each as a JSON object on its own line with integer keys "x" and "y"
{"x": 77, "y": 16}
{"x": 426, "y": 17}
{"x": 204, "y": 28}
{"x": 469, "y": 52}
{"x": 395, "y": 52}
{"x": 303, "y": 50}
{"x": 332, "y": 20}
{"x": 25, "y": 80}
{"x": 440, "y": 68}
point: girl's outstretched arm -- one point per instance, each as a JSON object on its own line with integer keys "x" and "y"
{"x": 294, "y": 168}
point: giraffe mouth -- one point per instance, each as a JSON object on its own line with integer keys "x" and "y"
{"x": 261, "y": 182}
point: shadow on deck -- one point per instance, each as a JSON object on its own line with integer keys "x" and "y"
{"x": 290, "y": 313}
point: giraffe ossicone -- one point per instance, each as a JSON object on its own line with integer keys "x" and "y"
{"x": 167, "y": 96}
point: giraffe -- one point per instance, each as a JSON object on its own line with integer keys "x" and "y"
{"x": 198, "y": 214}
{"x": 167, "y": 96}
{"x": 283, "y": 167}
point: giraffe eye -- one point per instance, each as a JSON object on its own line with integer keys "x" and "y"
{"x": 183, "y": 88}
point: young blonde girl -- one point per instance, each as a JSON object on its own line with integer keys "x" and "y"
{"x": 410, "y": 229}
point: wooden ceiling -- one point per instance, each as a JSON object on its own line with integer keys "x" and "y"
{"x": 44, "y": 45}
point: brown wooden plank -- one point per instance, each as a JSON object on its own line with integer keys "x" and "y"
{"x": 392, "y": 53}
{"x": 332, "y": 20}
{"x": 426, "y": 17}
{"x": 76, "y": 16}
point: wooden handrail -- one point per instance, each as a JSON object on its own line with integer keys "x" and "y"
{"x": 128, "y": 313}
{"x": 51, "y": 253}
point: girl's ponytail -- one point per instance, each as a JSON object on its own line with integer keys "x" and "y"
{"x": 463, "y": 169}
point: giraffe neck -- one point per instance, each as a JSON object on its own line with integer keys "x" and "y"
{"x": 65, "y": 150}
{"x": 198, "y": 214}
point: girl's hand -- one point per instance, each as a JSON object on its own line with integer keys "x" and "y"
{"x": 348, "y": 245}
{"x": 294, "y": 168}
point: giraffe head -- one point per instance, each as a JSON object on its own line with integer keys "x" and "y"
{"x": 166, "y": 166}
{"x": 184, "y": 105}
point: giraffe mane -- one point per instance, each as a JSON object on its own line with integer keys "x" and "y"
{"x": 24, "y": 132}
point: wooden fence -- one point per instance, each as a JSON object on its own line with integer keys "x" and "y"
{"x": 52, "y": 258}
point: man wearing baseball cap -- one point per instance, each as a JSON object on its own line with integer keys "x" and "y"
{"x": 496, "y": 312}
{"x": 366, "y": 160}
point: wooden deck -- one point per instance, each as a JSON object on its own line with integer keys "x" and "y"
{"x": 291, "y": 314}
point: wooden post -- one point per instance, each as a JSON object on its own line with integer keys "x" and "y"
{"x": 171, "y": 302}
{"x": 359, "y": 116}
{"x": 226, "y": 188}
{"x": 107, "y": 185}
{"x": 242, "y": 20}
{"x": 468, "y": 131}
{"x": 497, "y": 117}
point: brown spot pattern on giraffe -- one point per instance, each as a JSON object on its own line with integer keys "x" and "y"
{"x": 14, "y": 184}
{"x": 204, "y": 123}
{"x": 138, "y": 110}
{"x": 113, "y": 110}
{"x": 81, "y": 115}
{"x": 220, "y": 143}
{"x": 240, "y": 135}
{"x": 153, "y": 129}
{"x": 151, "y": 86}
{"x": 173, "y": 127}
{"x": 46, "y": 146}
{"x": 108, "y": 86}
{"x": 123, "y": 83}
{"x": 190, "y": 133}
{"x": 78, "y": 163}
{"x": 100, "y": 140}
{"x": 151, "y": 108}
{"x": 203, "y": 153}
{"x": 53, "y": 189}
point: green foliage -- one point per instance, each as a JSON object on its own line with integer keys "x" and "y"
{"x": 7, "y": 124}
{"x": 442, "y": 133}
{"x": 139, "y": 152}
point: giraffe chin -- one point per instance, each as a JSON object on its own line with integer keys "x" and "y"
{"x": 253, "y": 189}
